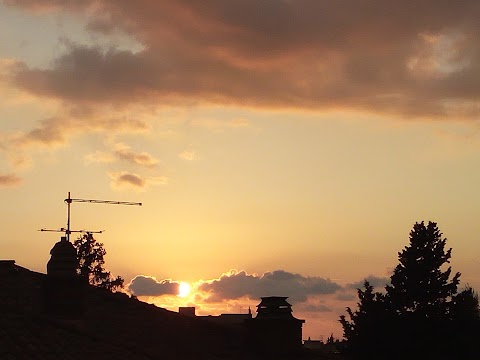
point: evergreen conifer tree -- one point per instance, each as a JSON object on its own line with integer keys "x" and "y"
{"x": 421, "y": 301}
{"x": 365, "y": 330}
{"x": 419, "y": 285}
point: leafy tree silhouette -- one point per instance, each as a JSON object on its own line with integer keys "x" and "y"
{"x": 90, "y": 255}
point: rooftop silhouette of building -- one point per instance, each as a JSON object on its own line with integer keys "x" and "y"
{"x": 236, "y": 320}
{"x": 58, "y": 316}
{"x": 40, "y": 319}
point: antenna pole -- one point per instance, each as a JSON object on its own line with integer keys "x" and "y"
{"x": 68, "y": 201}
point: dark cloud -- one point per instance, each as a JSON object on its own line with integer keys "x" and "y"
{"x": 343, "y": 296}
{"x": 9, "y": 180}
{"x": 375, "y": 281}
{"x": 237, "y": 284}
{"x": 408, "y": 58}
{"x": 314, "y": 308}
{"x": 126, "y": 179}
{"x": 149, "y": 286}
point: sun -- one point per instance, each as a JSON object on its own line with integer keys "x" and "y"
{"x": 183, "y": 289}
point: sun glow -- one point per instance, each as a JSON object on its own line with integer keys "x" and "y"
{"x": 183, "y": 289}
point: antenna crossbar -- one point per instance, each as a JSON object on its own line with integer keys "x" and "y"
{"x": 72, "y": 231}
{"x": 69, "y": 200}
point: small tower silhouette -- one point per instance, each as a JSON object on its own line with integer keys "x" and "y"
{"x": 275, "y": 329}
{"x": 63, "y": 287}
{"x": 63, "y": 261}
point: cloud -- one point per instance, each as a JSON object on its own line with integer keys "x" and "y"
{"x": 55, "y": 131}
{"x": 317, "y": 299}
{"x": 239, "y": 123}
{"x": 314, "y": 308}
{"x": 393, "y": 57}
{"x": 99, "y": 157}
{"x": 375, "y": 281}
{"x": 149, "y": 286}
{"x": 189, "y": 155}
{"x": 9, "y": 180}
{"x": 237, "y": 284}
{"x": 157, "y": 180}
{"x": 124, "y": 152}
{"x": 125, "y": 180}
{"x": 343, "y": 296}
{"x": 122, "y": 179}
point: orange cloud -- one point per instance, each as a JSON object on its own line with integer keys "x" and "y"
{"x": 99, "y": 157}
{"x": 239, "y": 123}
{"x": 189, "y": 155}
{"x": 126, "y": 180}
{"x": 322, "y": 55}
{"x": 9, "y": 180}
{"x": 55, "y": 131}
{"x": 124, "y": 152}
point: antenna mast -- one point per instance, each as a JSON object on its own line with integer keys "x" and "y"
{"x": 69, "y": 201}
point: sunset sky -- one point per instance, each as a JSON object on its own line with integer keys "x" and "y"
{"x": 279, "y": 147}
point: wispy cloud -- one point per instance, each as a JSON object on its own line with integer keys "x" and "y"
{"x": 220, "y": 125}
{"x": 122, "y": 153}
{"x": 99, "y": 157}
{"x": 239, "y": 123}
{"x": 189, "y": 155}
{"x": 55, "y": 131}
{"x": 9, "y": 180}
{"x": 125, "y": 153}
{"x": 126, "y": 180}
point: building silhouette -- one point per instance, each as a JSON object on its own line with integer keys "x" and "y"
{"x": 275, "y": 329}
{"x": 58, "y": 315}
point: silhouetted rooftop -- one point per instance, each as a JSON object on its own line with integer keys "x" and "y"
{"x": 113, "y": 326}
{"x": 274, "y": 307}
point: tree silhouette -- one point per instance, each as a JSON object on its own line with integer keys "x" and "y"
{"x": 90, "y": 255}
{"x": 418, "y": 284}
{"x": 465, "y": 306}
{"x": 364, "y": 330}
{"x": 421, "y": 302}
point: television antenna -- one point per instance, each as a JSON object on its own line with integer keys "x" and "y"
{"x": 69, "y": 201}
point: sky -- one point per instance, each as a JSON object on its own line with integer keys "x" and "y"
{"x": 278, "y": 147}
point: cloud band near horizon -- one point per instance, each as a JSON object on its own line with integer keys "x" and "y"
{"x": 234, "y": 285}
